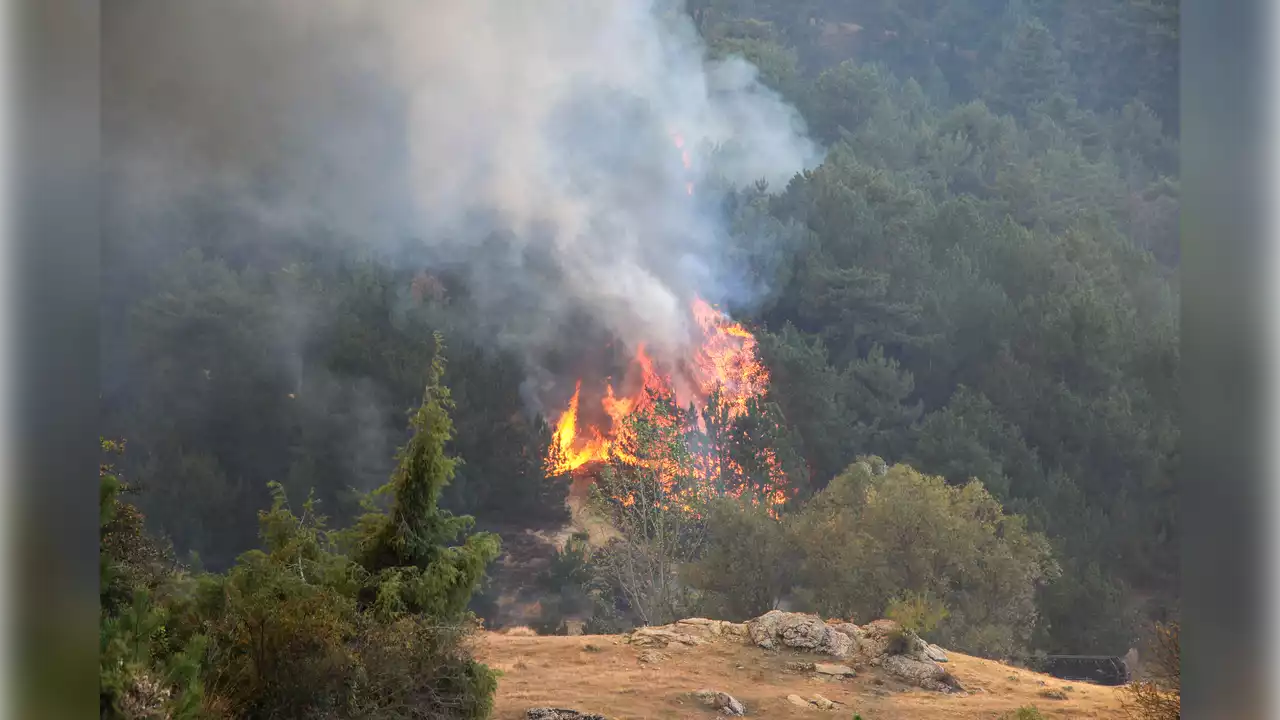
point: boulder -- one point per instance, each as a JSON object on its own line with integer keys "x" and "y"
{"x": 878, "y": 637}
{"x": 724, "y": 702}
{"x": 559, "y": 714}
{"x": 710, "y": 628}
{"x": 798, "y": 701}
{"x": 776, "y": 629}
{"x": 661, "y": 637}
{"x": 935, "y": 653}
{"x": 823, "y": 703}
{"x": 854, "y": 632}
{"x": 883, "y": 643}
{"x": 833, "y": 670}
{"x": 921, "y": 673}
{"x": 690, "y": 631}
{"x": 734, "y": 630}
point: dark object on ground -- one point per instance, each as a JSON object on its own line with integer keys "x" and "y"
{"x": 1100, "y": 669}
{"x": 559, "y": 714}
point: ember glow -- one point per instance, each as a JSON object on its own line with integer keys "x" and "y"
{"x": 725, "y": 361}
{"x": 685, "y": 158}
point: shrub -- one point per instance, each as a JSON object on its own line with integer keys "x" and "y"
{"x": 748, "y": 563}
{"x": 1158, "y": 697}
{"x": 371, "y": 621}
{"x": 144, "y": 668}
{"x": 875, "y": 537}
{"x": 918, "y": 612}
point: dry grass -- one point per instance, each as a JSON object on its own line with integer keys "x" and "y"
{"x": 562, "y": 672}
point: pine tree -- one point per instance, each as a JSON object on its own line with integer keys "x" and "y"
{"x": 1029, "y": 69}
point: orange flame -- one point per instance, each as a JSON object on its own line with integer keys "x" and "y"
{"x": 565, "y": 456}
{"x": 725, "y": 360}
{"x": 685, "y": 158}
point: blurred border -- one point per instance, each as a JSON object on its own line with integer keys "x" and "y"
{"x": 48, "y": 437}
{"x": 1227, "y": 497}
{"x": 49, "y": 506}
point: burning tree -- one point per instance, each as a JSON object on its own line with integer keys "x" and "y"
{"x": 651, "y": 492}
{"x": 674, "y": 437}
{"x": 728, "y": 429}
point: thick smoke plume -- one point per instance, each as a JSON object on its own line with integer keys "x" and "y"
{"x": 532, "y": 146}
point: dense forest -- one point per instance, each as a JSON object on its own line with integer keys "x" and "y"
{"x": 979, "y": 281}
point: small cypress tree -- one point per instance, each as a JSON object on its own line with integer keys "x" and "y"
{"x": 408, "y": 550}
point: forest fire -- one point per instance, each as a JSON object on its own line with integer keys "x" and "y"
{"x": 724, "y": 371}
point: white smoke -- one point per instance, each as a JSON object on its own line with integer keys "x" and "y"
{"x": 528, "y": 143}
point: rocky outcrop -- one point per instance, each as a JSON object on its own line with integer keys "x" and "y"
{"x": 688, "y": 632}
{"x": 723, "y": 702}
{"x": 662, "y": 637}
{"x": 884, "y": 637}
{"x": 880, "y": 643}
{"x": 559, "y": 714}
{"x": 776, "y": 629}
{"x": 833, "y": 670}
{"x": 823, "y": 703}
{"x": 816, "y": 701}
{"x": 651, "y": 657}
{"x": 712, "y": 628}
{"x": 902, "y": 654}
{"x": 935, "y": 653}
{"x": 923, "y": 673}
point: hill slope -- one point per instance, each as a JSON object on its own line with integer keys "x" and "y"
{"x": 602, "y": 674}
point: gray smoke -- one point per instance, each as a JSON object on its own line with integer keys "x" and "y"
{"x": 530, "y": 145}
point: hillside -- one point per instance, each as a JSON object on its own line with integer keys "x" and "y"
{"x": 604, "y": 674}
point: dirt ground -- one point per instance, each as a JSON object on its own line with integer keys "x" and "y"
{"x": 602, "y": 674}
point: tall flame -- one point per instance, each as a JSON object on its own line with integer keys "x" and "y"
{"x": 685, "y": 158}
{"x": 725, "y": 361}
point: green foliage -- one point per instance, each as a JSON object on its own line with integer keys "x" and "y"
{"x": 1029, "y": 69}
{"x": 302, "y": 627}
{"x": 1026, "y": 712}
{"x": 879, "y": 538}
{"x": 748, "y": 563}
{"x": 918, "y": 612}
{"x": 979, "y": 281}
{"x": 407, "y": 549}
{"x": 143, "y": 667}
{"x": 567, "y": 586}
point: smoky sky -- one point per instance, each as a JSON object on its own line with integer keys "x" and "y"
{"x": 530, "y": 146}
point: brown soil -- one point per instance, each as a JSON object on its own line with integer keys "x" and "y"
{"x": 601, "y": 674}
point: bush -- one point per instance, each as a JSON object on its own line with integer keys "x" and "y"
{"x": 918, "y": 612}
{"x": 748, "y": 563}
{"x": 1158, "y": 697}
{"x": 565, "y": 584}
{"x": 366, "y": 622}
{"x": 940, "y": 557}
{"x": 144, "y": 668}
